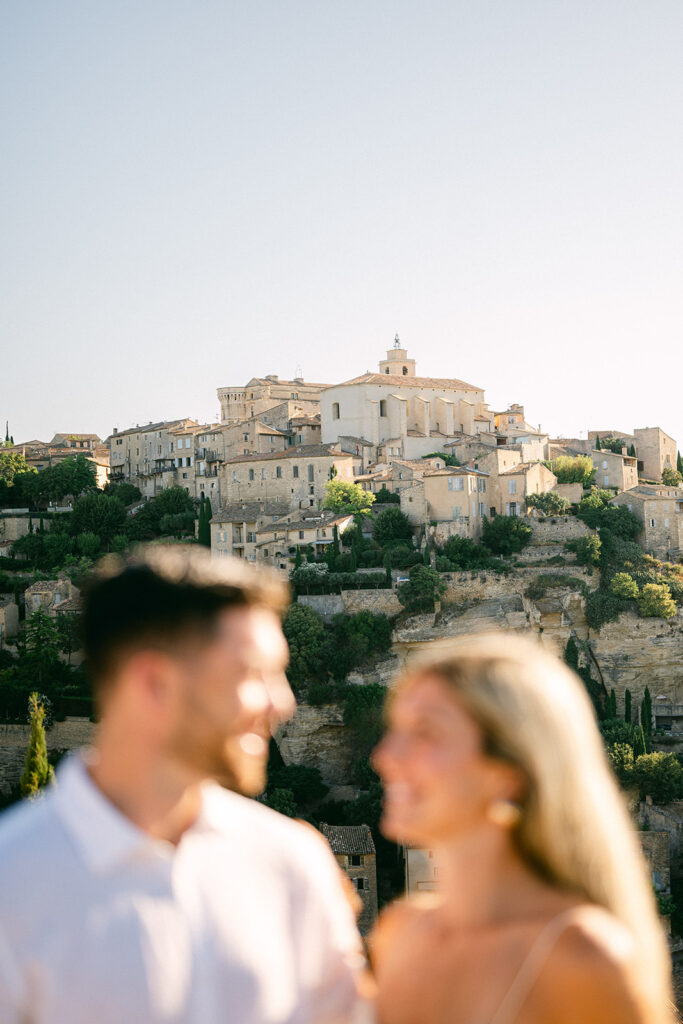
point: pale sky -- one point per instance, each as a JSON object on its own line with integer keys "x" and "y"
{"x": 194, "y": 192}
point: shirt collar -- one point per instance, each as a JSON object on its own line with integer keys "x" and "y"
{"x": 104, "y": 836}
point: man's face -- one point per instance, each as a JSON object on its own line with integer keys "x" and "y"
{"x": 233, "y": 693}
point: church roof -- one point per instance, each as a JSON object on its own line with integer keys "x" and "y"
{"x": 396, "y": 380}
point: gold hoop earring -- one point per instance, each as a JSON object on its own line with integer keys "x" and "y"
{"x": 504, "y": 813}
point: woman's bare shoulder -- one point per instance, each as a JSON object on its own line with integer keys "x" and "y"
{"x": 592, "y": 972}
{"x": 399, "y": 916}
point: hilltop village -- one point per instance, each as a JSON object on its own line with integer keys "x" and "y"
{"x": 404, "y": 511}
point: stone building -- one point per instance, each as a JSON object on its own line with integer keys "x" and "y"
{"x": 612, "y": 470}
{"x": 660, "y": 510}
{"x": 452, "y": 497}
{"x": 511, "y": 480}
{"x": 234, "y": 528}
{"x": 52, "y": 597}
{"x": 655, "y": 847}
{"x": 260, "y": 394}
{"x": 147, "y": 456}
{"x": 81, "y": 442}
{"x": 9, "y": 618}
{"x": 421, "y": 871}
{"x": 656, "y": 451}
{"x": 409, "y": 415}
{"x": 295, "y": 477}
{"x": 278, "y": 540}
{"x": 354, "y": 850}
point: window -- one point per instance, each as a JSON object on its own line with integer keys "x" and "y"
{"x": 300, "y": 438}
{"x": 606, "y": 484}
{"x": 355, "y": 860}
{"x": 455, "y": 483}
{"x": 482, "y": 509}
{"x": 481, "y": 484}
{"x": 651, "y": 522}
{"x": 311, "y": 473}
{"x": 251, "y": 474}
{"x": 513, "y": 508}
{"x": 295, "y": 472}
{"x": 278, "y": 472}
{"x": 361, "y": 884}
{"x": 405, "y": 371}
{"x": 311, "y": 489}
{"x": 234, "y": 474}
{"x": 387, "y": 370}
{"x": 263, "y": 472}
{"x": 666, "y": 522}
{"x": 335, "y": 410}
{"x": 457, "y": 511}
{"x": 604, "y": 463}
{"x": 382, "y": 407}
{"x": 301, "y": 534}
{"x": 245, "y": 437}
{"x": 171, "y": 448}
{"x": 513, "y": 486}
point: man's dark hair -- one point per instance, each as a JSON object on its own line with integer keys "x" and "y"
{"x": 160, "y": 596}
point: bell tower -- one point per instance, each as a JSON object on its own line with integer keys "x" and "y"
{"x": 397, "y": 363}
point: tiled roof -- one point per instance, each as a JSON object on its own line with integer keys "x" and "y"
{"x": 248, "y": 511}
{"x": 357, "y": 440}
{"x": 348, "y": 838}
{"x": 396, "y": 380}
{"x": 302, "y": 451}
{"x": 521, "y": 467}
{"x": 145, "y": 428}
{"x": 321, "y": 519}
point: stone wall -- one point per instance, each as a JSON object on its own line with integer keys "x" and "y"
{"x": 556, "y": 529}
{"x": 67, "y": 735}
{"x": 656, "y": 849}
{"x": 325, "y": 605}
{"x": 381, "y": 602}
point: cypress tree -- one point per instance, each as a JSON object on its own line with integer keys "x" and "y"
{"x": 297, "y": 557}
{"x": 41, "y": 526}
{"x": 38, "y": 771}
{"x": 646, "y": 712}
{"x": 639, "y": 743}
{"x": 627, "y": 706}
{"x": 612, "y": 705}
{"x": 426, "y": 558}
{"x": 632, "y": 450}
{"x": 30, "y": 525}
{"x": 6, "y": 431}
{"x": 203, "y": 529}
{"x": 597, "y": 442}
{"x": 679, "y": 463}
{"x": 387, "y": 568}
{"x": 571, "y": 654}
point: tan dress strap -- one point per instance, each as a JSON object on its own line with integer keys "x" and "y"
{"x": 531, "y": 967}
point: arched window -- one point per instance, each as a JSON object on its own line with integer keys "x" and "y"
{"x": 335, "y": 410}
{"x": 405, "y": 371}
{"x": 387, "y": 370}
{"x": 382, "y": 407}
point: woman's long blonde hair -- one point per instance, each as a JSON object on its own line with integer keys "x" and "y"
{"x": 575, "y": 830}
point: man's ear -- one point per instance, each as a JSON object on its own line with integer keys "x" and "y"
{"x": 153, "y": 679}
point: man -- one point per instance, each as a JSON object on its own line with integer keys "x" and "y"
{"x": 137, "y": 891}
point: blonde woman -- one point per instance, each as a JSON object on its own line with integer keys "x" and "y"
{"x": 544, "y": 912}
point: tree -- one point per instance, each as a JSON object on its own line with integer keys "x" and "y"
{"x": 569, "y": 469}
{"x": 671, "y": 477}
{"x": 598, "y": 442}
{"x": 341, "y": 496}
{"x": 550, "y": 503}
{"x": 69, "y": 632}
{"x": 679, "y": 463}
{"x": 38, "y": 771}
{"x": 587, "y": 549}
{"x": 282, "y": 801}
{"x": 39, "y": 647}
{"x": 386, "y": 497}
{"x": 387, "y": 567}
{"x": 98, "y": 514}
{"x": 88, "y": 544}
{"x": 646, "y": 712}
{"x": 425, "y": 586}
{"x": 660, "y": 776}
{"x": 612, "y": 704}
{"x": 627, "y": 706}
{"x": 127, "y": 494}
{"x": 613, "y": 444}
{"x": 392, "y": 526}
{"x": 11, "y": 464}
{"x": 632, "y": 451}
{"x": 623, "y": 585}
{"x": 571, "y": 654}
{"x": 309, "y": 645}
{"x": 203, "y": 529}
{"x": 655, "y": 601}
{"x": 504, "y": 535}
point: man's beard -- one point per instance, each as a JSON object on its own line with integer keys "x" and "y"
{"x": 197, "y": 745}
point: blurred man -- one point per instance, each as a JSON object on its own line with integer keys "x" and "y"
{"x": 140, "y": 891}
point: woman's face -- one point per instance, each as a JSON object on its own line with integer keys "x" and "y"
{"x": 438, "y": 782}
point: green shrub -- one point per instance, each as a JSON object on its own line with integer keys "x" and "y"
{"x": 549, "y": 503}
{"x": 385, "y": 497}
{"x": 392, "y": 526}
{"x": 573, "y": 470}
{"x": 660, "y": 776}
{"x": 424, "y": 587}
{"x": 623, "y": 585}
{"x": 655, "y": 601}
{"x": 602, "y": 607}
{"x": 586, "y": 549}
{"x": 504, "y": 535}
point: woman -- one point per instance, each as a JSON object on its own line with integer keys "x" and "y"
{"x": 544, "y": 912}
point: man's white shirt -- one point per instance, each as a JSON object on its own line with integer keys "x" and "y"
{"x": 244, "y": 922}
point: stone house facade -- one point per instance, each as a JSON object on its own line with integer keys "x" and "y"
{"x": 354, "y": 851}
{"x": 660, "y": 510}
{"x": 52, "y": 597}
{"x": 142, "y": 455}
{"x": 511, "y": 480}
{"x": 260, "y": 394}
{"x": 9, "y": 618}
{"x": 656, "y": 451}
{"x": 278, "y": 540}
{"x": 234, "y": 528}
{"x": 295, "y": 477}
{"x": 457, "y": 496}
{"x": 611, "y": 470}
{"x": 411, "y": 415}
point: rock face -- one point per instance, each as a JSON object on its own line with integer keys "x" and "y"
{"x": 317, "y": 737}
{"x": 634, "y": 653}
